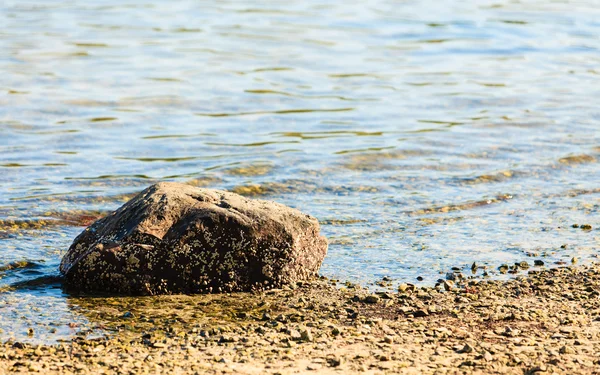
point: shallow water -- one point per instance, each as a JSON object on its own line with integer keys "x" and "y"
{"x": 424, "y": 135}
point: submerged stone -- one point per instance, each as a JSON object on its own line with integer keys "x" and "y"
{"x": 175, "y": 238}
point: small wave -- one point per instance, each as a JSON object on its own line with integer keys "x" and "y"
{"x": 19, "y": 265}
{"x": 102, "y": 119}
{"x": 577, "y": 159}
{"x": 461, "y": 206}
{"x": 38, "y": 282}
{"x": 277, "y": 112}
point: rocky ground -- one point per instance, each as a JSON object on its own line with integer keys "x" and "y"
{"x": 547, "y": 322}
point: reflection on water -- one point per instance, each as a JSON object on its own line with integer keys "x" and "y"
{"x": 423, "y": 135}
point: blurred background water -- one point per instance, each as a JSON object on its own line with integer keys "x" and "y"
{"x": 424, "y": 135}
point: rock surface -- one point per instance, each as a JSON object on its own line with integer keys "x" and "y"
{"x": 175, "y": 238}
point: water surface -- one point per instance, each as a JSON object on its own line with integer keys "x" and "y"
{"x": 424, "y": 135}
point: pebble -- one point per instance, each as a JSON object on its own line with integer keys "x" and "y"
{"x": 566, "y": 329}
{"x": 385, "y": 295}
{"x": 266, "y": 316}
{"x": 306, "y": 335}
{"x": 295, "y": 334}
{"x": 334, "y": 361}
{"x": 566, "y": 350}
{"x": 227, "y": 339}
{"x": 538, "y": 368}
{"x": 281, "y": 318}
{"x": 448, "y": 285}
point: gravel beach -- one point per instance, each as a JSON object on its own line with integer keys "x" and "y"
{"x": 545, "y": 322}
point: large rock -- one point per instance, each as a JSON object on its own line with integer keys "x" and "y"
{"x": 175, "y": 238}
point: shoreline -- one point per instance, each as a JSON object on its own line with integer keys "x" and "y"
{"x": 545, "y": 322}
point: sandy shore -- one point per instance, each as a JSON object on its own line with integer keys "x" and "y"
{"x": 547, "y": 322}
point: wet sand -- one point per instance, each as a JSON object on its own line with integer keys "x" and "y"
{"x": 546, "y": 322}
